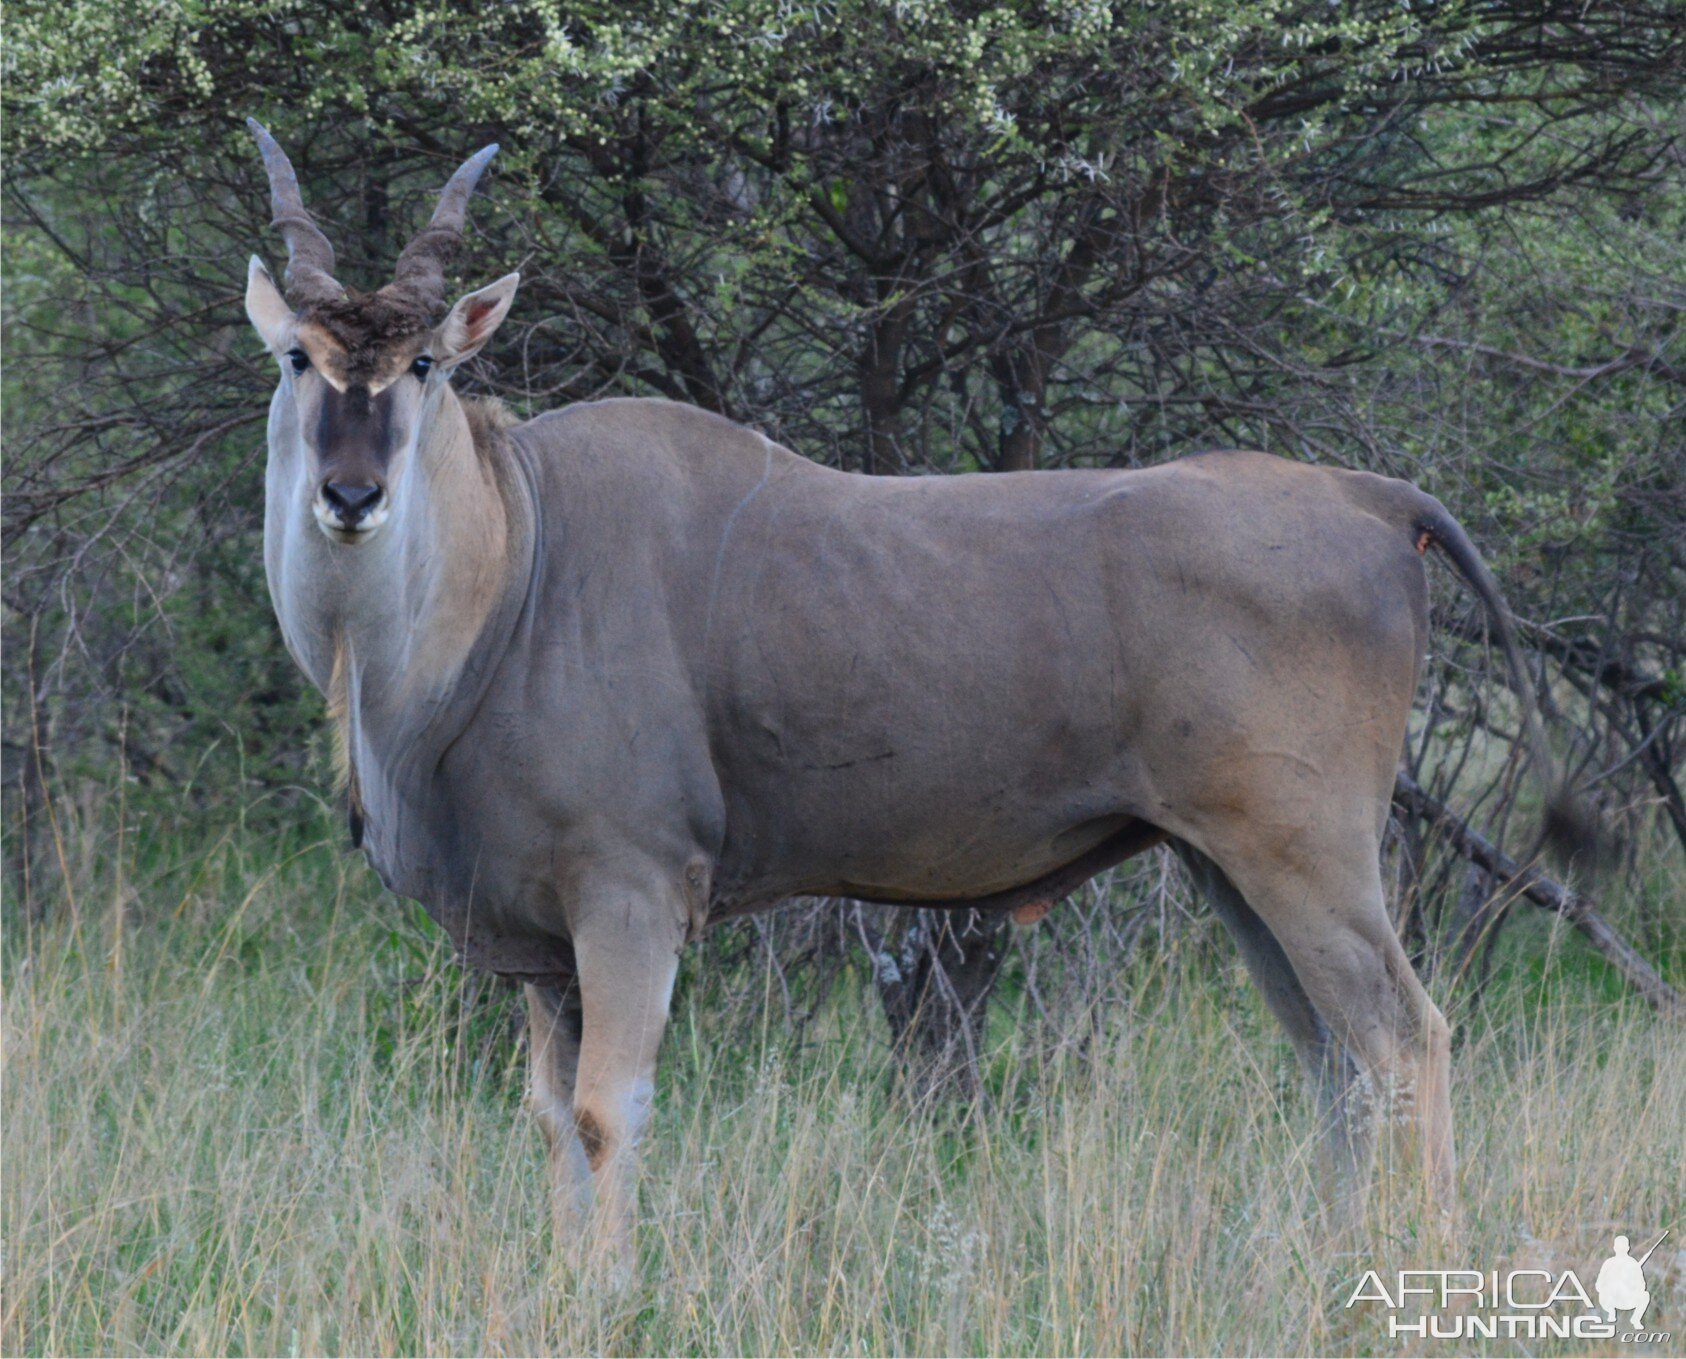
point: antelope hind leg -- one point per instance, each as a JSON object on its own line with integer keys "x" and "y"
{"x": 1324, "y": 905}
{"x": 1345, "y": 1142}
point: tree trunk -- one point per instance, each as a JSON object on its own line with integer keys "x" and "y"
{"x": 28, "y": 771}
{"x": 1019, "y": 379}
{"x": 934, "y": 983}
{"x": 881, "y": 398}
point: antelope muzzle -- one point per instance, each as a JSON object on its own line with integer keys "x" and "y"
{"x": 357, "y": 439}
{"x": 350, "y": 508}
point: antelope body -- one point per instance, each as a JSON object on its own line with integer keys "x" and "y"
{"x": 623, "y": 670}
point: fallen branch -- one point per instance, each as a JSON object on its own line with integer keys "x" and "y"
{"x": 1545, "y": 892}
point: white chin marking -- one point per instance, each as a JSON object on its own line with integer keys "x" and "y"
{"x": 338, "y": 533}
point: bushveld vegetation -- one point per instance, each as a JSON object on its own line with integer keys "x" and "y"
{"x": 250, "y": 1104}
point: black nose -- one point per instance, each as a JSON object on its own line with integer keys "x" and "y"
{"x": 351, "y": 504}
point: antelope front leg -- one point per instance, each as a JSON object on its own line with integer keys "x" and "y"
{"x": 627, "y": 948}
{"x": 553, "y": 1055}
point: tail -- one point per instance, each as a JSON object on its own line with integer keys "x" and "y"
{"x": 1571, "y": 829}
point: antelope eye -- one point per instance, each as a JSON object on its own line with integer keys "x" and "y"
{"x": 422, "y": 366}
{"x": 299, "y": 359}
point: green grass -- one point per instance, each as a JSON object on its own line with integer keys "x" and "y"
{"x": 251, "y": 1107}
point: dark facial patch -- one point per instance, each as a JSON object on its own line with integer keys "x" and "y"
{"x": 355, "y": 434}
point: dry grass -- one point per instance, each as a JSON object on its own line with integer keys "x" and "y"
{"x": 265, "y": 1122}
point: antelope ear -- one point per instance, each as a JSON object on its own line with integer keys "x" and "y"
{"x": 267, "y": 310}
{"x": 473, "y": 320}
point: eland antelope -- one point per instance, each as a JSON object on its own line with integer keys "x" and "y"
{"x": 607, "y": 676}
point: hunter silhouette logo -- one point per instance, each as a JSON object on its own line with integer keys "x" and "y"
{"x": 1516, "y": 1304}
{"x": 1621, "y": 1283}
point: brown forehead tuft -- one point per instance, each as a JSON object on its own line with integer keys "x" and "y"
{"x": 367, "y": 325}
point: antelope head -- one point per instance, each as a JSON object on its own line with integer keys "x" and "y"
{"x": 363, "y": 374}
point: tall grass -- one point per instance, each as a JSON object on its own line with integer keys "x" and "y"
{"x": 251, "y": 1107}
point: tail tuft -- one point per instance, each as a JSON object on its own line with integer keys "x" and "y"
{"x": 1575, "y": 834}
